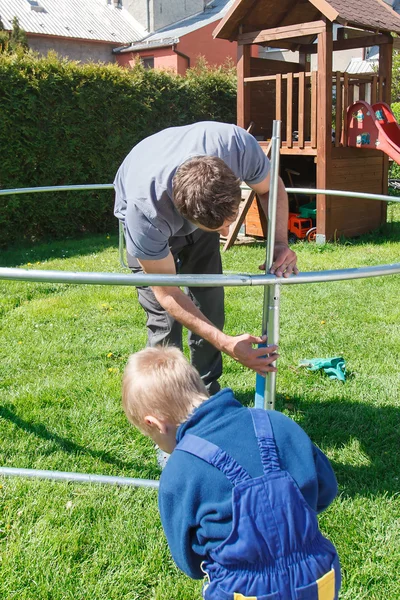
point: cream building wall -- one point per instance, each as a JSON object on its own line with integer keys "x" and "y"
{"x": 156, "y": 14}
{"x": 74, "y": 49}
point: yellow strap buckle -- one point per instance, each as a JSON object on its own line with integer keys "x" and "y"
{"x": 326, "y": 586}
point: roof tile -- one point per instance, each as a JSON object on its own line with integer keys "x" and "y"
{"x": 82, "y": 19}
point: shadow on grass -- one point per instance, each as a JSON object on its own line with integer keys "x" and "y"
{"x": 388, "y": 232}
{"x": 337, "y": 423}
{"x": 69, "y": 447}
{"x": 82, "y": 246}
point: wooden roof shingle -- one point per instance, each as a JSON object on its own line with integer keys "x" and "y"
{"x": 374, "y": 14}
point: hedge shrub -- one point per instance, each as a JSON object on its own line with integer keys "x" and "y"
{"x": 66, "y": 123}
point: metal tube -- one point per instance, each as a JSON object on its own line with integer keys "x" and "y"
{"x": 58, "y": 188}
{"x": 93, "y": 278}
{"x": 265, "y": 386}
{"x": 272, "y": 293}
{"x": 273, "y": 193}
{"x": 80, "y": 477}
{"x": 347, "y": 194}
{"x": 362, "y": 195}
{"x": 109, "y": 186}
{"x": 240, "y": 280}
{"x": 121, "y": 245}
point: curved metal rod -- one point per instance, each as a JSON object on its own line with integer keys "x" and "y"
{"x": 81, "y": 477}
{"x": 109, "y": 186}
{"x": 16, "y": 274}
{"x": 58, "y": 188}
{"x": 346, "y": 194}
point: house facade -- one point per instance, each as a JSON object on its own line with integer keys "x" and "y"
{"x": 177, "y": 32}
{"x": 163, "y": 34}
{"x": 178, "y": 45}
{"x": 84, "y": 30}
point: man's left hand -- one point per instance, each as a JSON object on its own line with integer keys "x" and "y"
{"x": 284, "y": 261}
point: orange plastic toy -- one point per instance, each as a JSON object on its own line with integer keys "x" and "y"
{"x": 300, "y": 228}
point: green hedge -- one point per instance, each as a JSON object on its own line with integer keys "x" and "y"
{"x": 66, "y": 123}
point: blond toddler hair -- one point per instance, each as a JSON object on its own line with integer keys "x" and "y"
{"x": 160, "y": 381}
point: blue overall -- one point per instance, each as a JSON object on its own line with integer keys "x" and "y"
{"x": 275, "y": 550}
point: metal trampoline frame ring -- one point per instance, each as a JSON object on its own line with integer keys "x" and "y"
{"x": 265, "y": 389}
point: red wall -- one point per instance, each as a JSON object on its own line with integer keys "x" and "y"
{"x": 164, "y": 58}
{"x": 195, "y": 44}
{"x": 201, "y": 43}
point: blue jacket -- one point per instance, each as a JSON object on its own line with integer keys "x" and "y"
{"x": 195, "y": 499}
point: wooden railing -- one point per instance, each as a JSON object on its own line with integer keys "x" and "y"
{"x": 296, "y": 104}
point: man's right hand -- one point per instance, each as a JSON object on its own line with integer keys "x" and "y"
{"x": 260, "y": 360}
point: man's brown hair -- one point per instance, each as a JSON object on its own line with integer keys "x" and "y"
{"x": 206, "y": 191}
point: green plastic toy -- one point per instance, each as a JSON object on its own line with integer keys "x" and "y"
{"x": 334, "y": 367}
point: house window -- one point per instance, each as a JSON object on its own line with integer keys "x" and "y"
{"x": 148, "y": 62}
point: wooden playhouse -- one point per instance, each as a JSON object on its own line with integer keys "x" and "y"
{"x": 312, "y": 100}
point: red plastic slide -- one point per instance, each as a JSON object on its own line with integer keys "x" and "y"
{"x": 373, "y": 127}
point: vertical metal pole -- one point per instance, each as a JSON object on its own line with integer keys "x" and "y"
{"x": 265, "y": 387}
{"x": 121, "y": 245}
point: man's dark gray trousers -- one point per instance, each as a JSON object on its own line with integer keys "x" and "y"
{"x": 197, "y": 253}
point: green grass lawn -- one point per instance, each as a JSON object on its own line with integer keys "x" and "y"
{"x": 63, "y": 349}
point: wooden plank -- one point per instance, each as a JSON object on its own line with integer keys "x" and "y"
{"x": 385, "y": 71}
{"x": 350, "y": 44}
{"x": 227, "y": 26}
{"x": 326, "y": 8}
{"x": 356, "y": 79}
{"x": 282, "y": 33}
{"x": 243, "y": 210}
{"x": 344, "y": 153}
{"x": 296, "y": 151}
{"x": 278, "y": 98}
{"x": 289, "y": 112}
{"x": 358, "y": 174}
{"x": 307, "y": 109}
{"x": 272, "y": 77}
{"x": 381, "y": 83}
{"x": 374, "y": 87}
{"x": 361, "y": 92}
{"x": 235, "y": 228}
{"x": 314, "y": 89}
{"x": 275, "y": 66}
{"x": 345, "y": 106}
{"x": 256, "y": 222}
{"x": 243, "y": 92}
{"x": 362, "y": 163}
{"x": 301, "y": 108}
{"x": 351, "y": 94}
{"x": 339, "y": 110}
{"x": 324, "y": 126}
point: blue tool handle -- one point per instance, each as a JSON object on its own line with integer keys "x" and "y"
{"x": 260, "y": 386}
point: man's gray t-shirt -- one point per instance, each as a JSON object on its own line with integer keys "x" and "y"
{"x": 143, "y": 184}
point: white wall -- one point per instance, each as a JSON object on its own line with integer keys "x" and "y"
{"x": 160, "y": 13}
{"x": 341, "y": 59}
{"x": 166, "y": 12}
{"x": 141, "y": 10}
{"x": 73, "y": 49}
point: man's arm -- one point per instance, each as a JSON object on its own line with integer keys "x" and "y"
{"x": 284, "y": 258}
{"x": 183, "y": 310}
